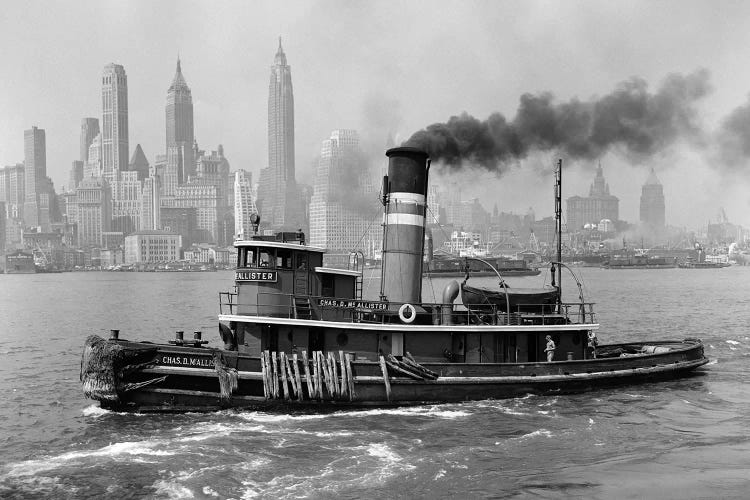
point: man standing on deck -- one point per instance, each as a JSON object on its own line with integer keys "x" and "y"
{"x": 550, "y": 350}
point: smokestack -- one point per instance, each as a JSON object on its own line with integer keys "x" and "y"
{"x": 404, "y": 223}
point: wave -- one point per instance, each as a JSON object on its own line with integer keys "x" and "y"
{"x": 113, "y": 451}
{"x": 428, "y": 411}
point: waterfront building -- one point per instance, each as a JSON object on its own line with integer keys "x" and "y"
{"x": 169, "y": 171}
{"x": 3, "y": 184}
{"x": 35, "y": 169}
{"x": 126, "y": 202}
{"x": 151, "y": 204}
{"x": 13, "y": 233}
{"x": 94, "y": 209}
{"x": 180, "y": 220}
{"x": 139, "y": 163}
{"x": 202, "y": 195}
{"x": 89, "y": 130}
{"x": 278, "y": 197}
{"x": 180, "y": 132}
{"x": 111, "y": 257}
{"x": 214, "y": 168}
{"x": 467, "y": 215}
{"x": 112, "y": 239}
{"x": 207, "y": 254}
{"x": 70, "y": 208}
{"x": 93, "y": 167}
{"x": 14, "y": 192}
{"x": 19, "y": 262}
{"x": 114, "y": 125}
{"x": 652, "y": 203}
{"x": 152, "y": 246}
{"x": 3, "y": 218}
{"x": 343, "y": 201}
{"x": 599, "y": 204}
{"x": 244, "y": 204}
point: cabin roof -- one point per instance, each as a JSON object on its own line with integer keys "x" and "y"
{"x": 332, "y": 270}
{"x": 277, "y": 244}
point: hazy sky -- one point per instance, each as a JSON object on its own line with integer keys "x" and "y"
{"x": 384, "y": 66}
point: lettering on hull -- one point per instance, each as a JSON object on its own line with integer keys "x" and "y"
{"x": 352, "y": 304}
{"x": 268, "y": 276}
{"x": 186, "y": 361}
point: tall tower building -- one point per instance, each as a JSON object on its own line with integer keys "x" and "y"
{"x": 344, "y": 200}
{"x": 180, "y": 132}
{"x": 244, "y": 204}
{"x": 94, "y": 214}
{"x": 76, "y": 175}
{"x": 93, "y": 167}
{"x": 279, "y": 200}
{"x": 597, "y": 206}
{"x": 35, "y": 163}
{"x": 15, "y": 191}
{"x": 139, "y": 163}
{"x": 89, "y": 130}
{"x": 652, "y": 204}
{"x": 151, "y": 204}
{"x": 114, "y": 121}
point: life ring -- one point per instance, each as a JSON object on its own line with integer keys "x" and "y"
{"x": 412, "y": 313}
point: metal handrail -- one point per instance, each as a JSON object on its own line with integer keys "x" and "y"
{"x": 356, "y": 313}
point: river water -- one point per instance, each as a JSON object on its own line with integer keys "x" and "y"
{"x": 681, "y": 439}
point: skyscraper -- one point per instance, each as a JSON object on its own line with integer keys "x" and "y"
{"x": 277, "y": 193}
{"x": 93, "y": 167}
{"x": 244, "y": 204}
{"x": 151, "y": 204}
{"x": 344, "y": 201}
{"x": 652, "y": 204}
{"x": 76, "y": 174}
{"x": 139, "y": 163}
{"x": 15, "y": 191}
{"x": 126, "y": 192}
{"x": 89, "y": 130}
{"x": 94, "y": 213}
{"x": 35, "y": 164}
{"x": 180, "y": 132}
{"x": 114, "y": 120}
{"x": 592, "y": 209}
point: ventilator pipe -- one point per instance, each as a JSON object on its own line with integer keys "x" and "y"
{"x": 450, "y": 292}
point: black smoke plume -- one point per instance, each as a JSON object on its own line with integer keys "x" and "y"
{"x": 631, "y": 118}
{"x": 733, "y": 137}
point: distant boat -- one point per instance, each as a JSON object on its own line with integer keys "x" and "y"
{"x": 458, "y": 266}
{"x": 639, "y": 261}
{"x": 691, "y": 264}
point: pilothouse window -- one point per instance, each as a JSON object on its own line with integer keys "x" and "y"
{"x": 246, "y": 257}
{"x": 283, "y": 259}
{"x": 266, "y": 258}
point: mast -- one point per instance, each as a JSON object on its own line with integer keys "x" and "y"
{"x": 558, "y": 229}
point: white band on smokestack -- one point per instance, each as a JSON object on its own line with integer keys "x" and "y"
{"x": 409, "y": 219}
{"x": 401, "y": 197}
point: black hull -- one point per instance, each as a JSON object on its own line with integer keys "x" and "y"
{"x": 181, "y": 389}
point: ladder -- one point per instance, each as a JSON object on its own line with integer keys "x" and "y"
{"x": 357, "y": 263}
{"x": 302, "y": 308}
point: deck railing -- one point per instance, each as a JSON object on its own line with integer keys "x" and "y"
{"x": 363, "y": 311}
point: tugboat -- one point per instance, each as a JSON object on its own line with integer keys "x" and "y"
{"x": 297, "y": 334}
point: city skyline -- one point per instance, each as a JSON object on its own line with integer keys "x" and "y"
{"x": 405, "y": 79}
